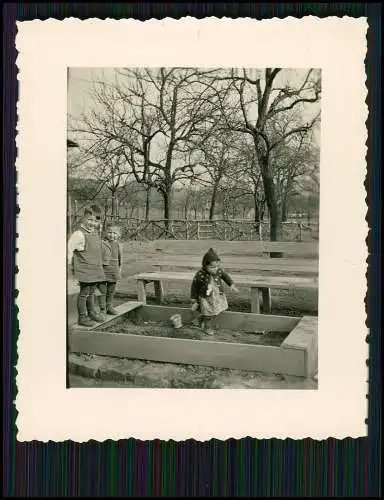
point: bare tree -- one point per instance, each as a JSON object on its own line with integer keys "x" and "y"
{"x": 154, "y": 118}
{"x": 249, "y": 103}
{"x": 294, "y": 157}
{"x": 109, "y": 168}
{"x": 248, "y": 174}
{"x": 219, "y": 157}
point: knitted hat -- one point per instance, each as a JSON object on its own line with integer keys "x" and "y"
{"x": 209, "y": 257}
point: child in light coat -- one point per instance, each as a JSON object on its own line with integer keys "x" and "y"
{"x": 85, "y": 264}
{"x": 112, "y": 264}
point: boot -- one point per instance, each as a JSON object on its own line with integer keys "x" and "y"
{"x": 102, "y": 304}
{"x": 109, "y": 301}
{"x": 205, "y": 326}
{"x": 112, "y": 311}
{"x": 96, "y": 317}
{"x": 92, "y": 313}
{"x": 85, "y": 321}
{"x": 208, "y": 330}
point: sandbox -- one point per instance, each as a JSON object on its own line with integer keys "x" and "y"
{"x": 246, "y": 341}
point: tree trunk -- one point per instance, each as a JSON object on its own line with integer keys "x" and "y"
{"x": 114, "y": 204}
{"x": 276, "y": 227}
{"x": 273, "y": 209}
{"x": 308, "y": 209}
{"x": 147, "y": 202}
{"x": 167, "y": 197}
{"x": 284, "y": 209}
{"x": 257, "y": 212}
{"x": 213, "y": 203}
{"x": 187, "y": 202}
{"x": 275, "y": 230}
{"x": 262, "y": 210}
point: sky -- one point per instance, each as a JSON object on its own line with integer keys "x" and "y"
{"x": 80, "y": 84}
{"x": 81, "y": 80}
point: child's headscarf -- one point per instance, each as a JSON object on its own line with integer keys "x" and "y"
{"x": 209, "y": 257}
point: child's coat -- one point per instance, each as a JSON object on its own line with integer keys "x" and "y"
{"x": 87, "y": 256}
{"x": 112, "y": 260}
{"x": 208, "y": 290}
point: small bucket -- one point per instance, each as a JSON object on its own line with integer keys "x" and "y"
{"x": 176, "y": 321}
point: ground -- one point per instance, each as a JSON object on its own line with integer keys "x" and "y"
{"x": 99, "y": 371}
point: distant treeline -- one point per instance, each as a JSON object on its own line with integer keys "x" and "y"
{"x": 135, "y": 201}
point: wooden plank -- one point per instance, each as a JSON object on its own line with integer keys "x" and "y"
{"x": 246, "y": 322}
{"x": 141, "y": 293}
{"x": 122, "y": 310}
{"x": 302, "y": 335}
{"x": 255, "y": 300}
{"x": 279, "y": 282}
{"x": 239, "y": 264}
{"x": 304, "y": 338}
{"x": 239, "y": 247}
{"x": 277, "y": 265}
{"x": 192, "y": 352}
{"x": 194, "y": 259}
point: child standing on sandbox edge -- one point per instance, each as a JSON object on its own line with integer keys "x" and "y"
{"x": 85, "y": 262}
{"x": 207, "y": 291}
{"x": 112, "y": 263}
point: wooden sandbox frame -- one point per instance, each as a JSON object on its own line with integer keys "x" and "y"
{"x": 296, "y": 356}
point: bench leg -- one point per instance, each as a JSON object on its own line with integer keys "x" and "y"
{"x": 267, "y": 300}
{"x": 159, "y": 291}
{"x": 141, "y": 295}
{"x": 255, "y": 300}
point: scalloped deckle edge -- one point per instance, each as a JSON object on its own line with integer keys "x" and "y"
{"x": 46, "y": 411}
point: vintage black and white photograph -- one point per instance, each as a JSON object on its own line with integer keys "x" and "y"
{"x": 193, "y": 227}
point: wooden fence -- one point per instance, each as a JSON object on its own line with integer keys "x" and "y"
{"x": 229, "y": 230}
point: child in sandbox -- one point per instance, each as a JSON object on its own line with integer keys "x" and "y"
{"x": 85, "y": 263}
{"x": 112, "y": 263}
{"x": 207, "y": 291}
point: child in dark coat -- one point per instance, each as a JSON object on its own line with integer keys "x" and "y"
{"x": 112, "y": 263}
{"x": 207, "y": 291}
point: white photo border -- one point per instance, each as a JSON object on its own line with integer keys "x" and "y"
{"x": 47, "y": 410}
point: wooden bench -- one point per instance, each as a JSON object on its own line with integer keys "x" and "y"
{"x": 308, "y": 249}
{"x": 257, "y": 284}
{"x": 298, "y": 267}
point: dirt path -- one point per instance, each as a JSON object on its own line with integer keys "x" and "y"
{"x": 101, "y": 371}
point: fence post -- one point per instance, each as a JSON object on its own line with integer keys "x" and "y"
{"x": 198, "y": 230}
{"x": 300, "y": 231}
